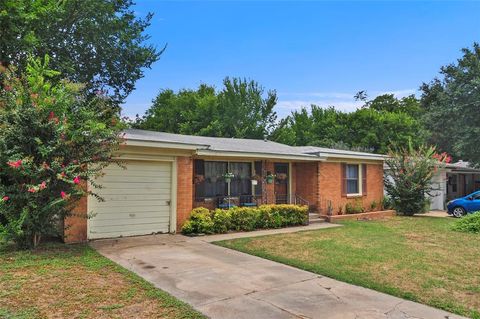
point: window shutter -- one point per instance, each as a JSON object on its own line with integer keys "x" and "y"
{"x": 344, "y": 179}
{"x": 364, "y": 179}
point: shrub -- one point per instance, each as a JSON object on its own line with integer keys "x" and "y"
{"x": 373, "y": 205}
{"x": 355, "y": 208}
{"x": 53, "y": 140}
{"x": 244, "y": 218}
{"x": 386, "y": 203}
{"x": 221, "y": 221}
{"x": 408, "y": 182}
{"x": 468, "y": 224}
{"x": 200, "y": 222}
{"x": 203, "y": 221}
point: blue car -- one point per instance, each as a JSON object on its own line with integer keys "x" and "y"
{"x": 463, "y": 205}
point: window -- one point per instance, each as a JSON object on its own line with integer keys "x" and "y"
{"x": 209, "y": 180}
{"x": 352, "y": 179}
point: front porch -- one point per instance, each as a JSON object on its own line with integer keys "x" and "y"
{"x": 224, "y": 184}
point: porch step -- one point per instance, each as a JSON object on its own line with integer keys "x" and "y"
{"x": 315, "y": 218}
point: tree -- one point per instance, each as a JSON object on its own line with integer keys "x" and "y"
{"x": 408, "y": 177}
{"x": 452, "y": 107}
{"x": 379, "y": 124}
{"x": 53, "y": 139}
{"x": 241, "y": 109}
{"x": 95, "y": 42}
{"x": 409, "y": 105}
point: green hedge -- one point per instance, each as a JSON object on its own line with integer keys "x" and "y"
{"x": 468, "y": 224}
{"x": 204, "y": 221}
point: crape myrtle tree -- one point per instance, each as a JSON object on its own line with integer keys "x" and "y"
{"x": 408, "y": 177}
{"x": 53, "y": 139}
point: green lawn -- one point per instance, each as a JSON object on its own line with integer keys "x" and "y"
{"x": 417, "y": 258}
{"x": 59, "y": 281}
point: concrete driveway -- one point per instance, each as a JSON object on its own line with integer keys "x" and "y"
{"x": 223, "y": 283}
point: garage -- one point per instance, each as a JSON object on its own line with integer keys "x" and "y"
{"x": 137, "y": 200}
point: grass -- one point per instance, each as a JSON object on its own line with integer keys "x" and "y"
{"x": 416, "y": 258}
{"x": 59, "y": 281}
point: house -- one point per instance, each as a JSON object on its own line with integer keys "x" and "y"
{"x": 452, "y": 181}
{"x": 167, "y": 175}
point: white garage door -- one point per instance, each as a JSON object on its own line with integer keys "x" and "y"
{"x": 137, "y": 200}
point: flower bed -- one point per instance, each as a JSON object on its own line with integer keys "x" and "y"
{"x": 218, "y": 221}
{"x": 362, "y": 216}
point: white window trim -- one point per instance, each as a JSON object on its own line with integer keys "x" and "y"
{"x": 360, "y": 181}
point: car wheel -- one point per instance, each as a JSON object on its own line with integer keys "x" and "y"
{"x": 459, "y": 212}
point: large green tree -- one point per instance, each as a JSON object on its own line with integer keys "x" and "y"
{"x": 379, "y": 124}
{"x": 240, "y": 109}
{"x": 452, "y": 107}
{"x": 100, "y": 43}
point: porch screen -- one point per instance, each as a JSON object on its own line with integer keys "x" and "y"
{"x": 241, "y": 184}
{"x": 215, "y": 184}
{"x": 211, "y": 183}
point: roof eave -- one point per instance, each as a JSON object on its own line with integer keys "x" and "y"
{"x": 205, "y": 152}
{"x": 158, "y": 144}
{"x": 372, "y": 157}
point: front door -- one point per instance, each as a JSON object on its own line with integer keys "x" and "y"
{"x": 281, "y": 183}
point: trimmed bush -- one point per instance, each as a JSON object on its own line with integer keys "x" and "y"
{"x": 203, "y": 221}
{"x": 200, "y": 222}
{"x": 221, "y": 221}
{"x": 468, "y": 224}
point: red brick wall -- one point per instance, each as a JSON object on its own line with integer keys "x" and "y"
{"x": 184, "y": 189}
{"x": 75, "y": 226}
{"x": 330, "y": 178}
{"x": 306, "y": 185}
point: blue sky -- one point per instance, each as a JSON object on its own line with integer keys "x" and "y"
{"x": 309, "y": 52}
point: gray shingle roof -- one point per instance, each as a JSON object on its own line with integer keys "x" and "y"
{"x": 330, "y": 151}
{"x": 238, "y": 145}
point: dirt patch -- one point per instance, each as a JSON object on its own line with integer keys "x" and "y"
{"x": 79, "y": 283}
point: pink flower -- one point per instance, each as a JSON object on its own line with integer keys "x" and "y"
{"x": 76, "y": 180}
{"x": 32, "y": 190}
{"x": 52, "y": 117}
{"x": 5, "y": 198}
{"x": 43, "y": 185}
{"x": 63, "y": 194}
{"x": 15, "y": 164}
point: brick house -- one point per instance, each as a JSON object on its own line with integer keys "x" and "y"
{"x": 167, "y": 175}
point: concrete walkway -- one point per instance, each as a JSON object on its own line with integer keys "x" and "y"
{"x": 223, "y": 283}
{"x": 435, "y": 213}
{"x": 265, "y": 232}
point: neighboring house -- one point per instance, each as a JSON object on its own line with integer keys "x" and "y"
{"x": 453, "y": 181}
{"x": 167, "y": 175}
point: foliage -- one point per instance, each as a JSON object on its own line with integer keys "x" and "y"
{"x": 203, "y": 221}
{"x": 408, "y": 177}
{"x": 468, "y": 224}
{"x": 355, "y": 208}
{"x": 387, "y": 203}
{"x": 99, "y": 43}
{"x": 451, "y": 105}
{"x": 52, "y": 141}
{"x": 373, "y": 205}
{"x": 380, "y": 123}
{"x": 238, "y": 110}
